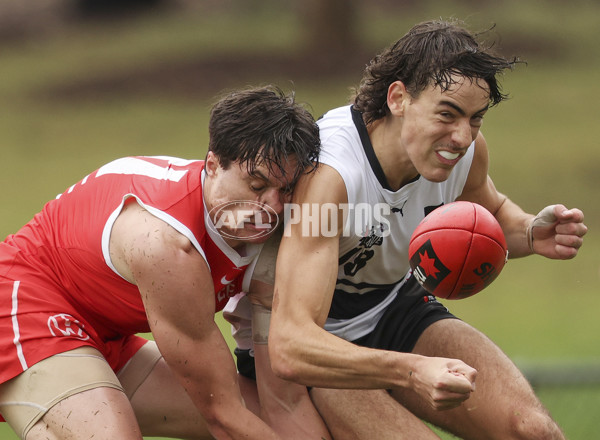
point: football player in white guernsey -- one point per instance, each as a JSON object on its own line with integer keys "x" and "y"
{"x": 393, "y": 355}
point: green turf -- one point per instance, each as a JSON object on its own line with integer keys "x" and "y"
{"x": 543, "y": 143}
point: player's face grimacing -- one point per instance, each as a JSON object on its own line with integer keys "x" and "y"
{"x": 439, "y": 126}
{"x": 245, "y": 207}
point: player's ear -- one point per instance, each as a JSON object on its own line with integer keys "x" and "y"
{"x": 397, "y": 97}
{"x": 212, "y": 163}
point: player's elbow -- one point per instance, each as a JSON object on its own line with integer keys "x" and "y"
{"x": 284, "y": 358}
{"x": 218, "y": 421}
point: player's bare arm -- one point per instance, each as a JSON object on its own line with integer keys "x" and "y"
{"x": 480, "y": 189}
{"x": 557, "y": 232}
{"x": 303, "y": 352}
{"x": 178, "y": 295}
{"x": 284, "y": 405}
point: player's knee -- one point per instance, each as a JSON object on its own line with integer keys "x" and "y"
{"x": 534, "y": 424}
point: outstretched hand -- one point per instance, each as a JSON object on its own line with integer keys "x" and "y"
{"x": 443, "y": 383}
{"x": 557, "y": 232}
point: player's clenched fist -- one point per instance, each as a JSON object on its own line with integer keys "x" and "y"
{"x": 443, "y": 383}
{"x": 556, "y": 232}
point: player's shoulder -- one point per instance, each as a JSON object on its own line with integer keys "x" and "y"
{"x": 336, "y": 118}
{"x": 150, "y": 168}
{"x": 138, "y": 224}
{"x": 324, "y": 185}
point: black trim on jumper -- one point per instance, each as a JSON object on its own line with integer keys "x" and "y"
{"x": 368, "y": 148}
{"x": 359, "y": 123}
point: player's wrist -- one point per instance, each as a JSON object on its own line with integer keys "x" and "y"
{"x": 545, "y": 217}
{"x": 529, "y": 235}
{"x": 413, "y": 370}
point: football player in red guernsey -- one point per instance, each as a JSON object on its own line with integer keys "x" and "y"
{"x": 147, "y": 244}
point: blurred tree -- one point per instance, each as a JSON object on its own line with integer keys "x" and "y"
{"x": 330, "y": 26}
{"x": 113, "y": 8}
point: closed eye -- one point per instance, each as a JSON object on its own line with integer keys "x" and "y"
{"x": 477, "y": 120}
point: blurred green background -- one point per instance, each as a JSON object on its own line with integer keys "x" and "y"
{"x": 83, "y": 83}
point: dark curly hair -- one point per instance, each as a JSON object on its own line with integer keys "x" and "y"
{"x": 431, "y": 53}
{"x": 264, "y": 126}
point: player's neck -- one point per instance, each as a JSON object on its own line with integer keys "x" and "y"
{"x": 395, "y": 163}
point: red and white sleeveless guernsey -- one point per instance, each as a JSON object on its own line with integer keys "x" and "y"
{"x": 58, "y": 287}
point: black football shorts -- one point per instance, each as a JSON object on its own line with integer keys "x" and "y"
{"x": 403, "y": 322}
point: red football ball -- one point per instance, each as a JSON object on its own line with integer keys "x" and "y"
{"x": 457, "y": 250}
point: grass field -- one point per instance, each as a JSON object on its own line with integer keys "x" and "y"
{"x": 543, "y": 142}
